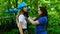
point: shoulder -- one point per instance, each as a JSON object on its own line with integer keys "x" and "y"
{"x": 21, "y": 15}
{"x": 42, "y": 20}
{"x": 43, "y": 17}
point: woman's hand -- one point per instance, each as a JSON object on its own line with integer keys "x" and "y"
{"x": 29, "y": 18}
{"x": 32, "y": 21}
{"x": 32, "y": 18}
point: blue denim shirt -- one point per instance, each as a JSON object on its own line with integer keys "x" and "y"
{"x": 41, "y": 28}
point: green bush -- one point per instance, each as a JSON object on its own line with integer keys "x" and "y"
{"x": 53, "y": 8}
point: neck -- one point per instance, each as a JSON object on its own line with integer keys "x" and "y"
{"x": 22, "y": 12}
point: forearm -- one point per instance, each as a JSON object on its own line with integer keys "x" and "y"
{"x": 20, "y": 28}
{"x": 32, "y": 21}
{"x": 21, "y": 31}
{"x": 34, "y": 18}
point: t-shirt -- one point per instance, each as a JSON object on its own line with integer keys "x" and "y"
{"x": 23, "y": 20}
{"x": 41, "y": 28}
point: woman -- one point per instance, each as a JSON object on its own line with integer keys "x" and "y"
{"x": 21, "y": 17}
{"x": 40, "y": 21}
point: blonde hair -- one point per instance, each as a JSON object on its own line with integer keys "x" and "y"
{"x": 18, "y": 13}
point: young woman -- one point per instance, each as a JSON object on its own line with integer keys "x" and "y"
{"x": 40, "y": 21}
{"x": 21, "y": 17}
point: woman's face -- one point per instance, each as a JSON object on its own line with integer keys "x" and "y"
{"x": 39, "y": 11}
{"x": 25, "y": 9}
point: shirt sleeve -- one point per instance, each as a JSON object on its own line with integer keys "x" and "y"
{"x": 42, "y": 20}
{"x": 21, "y": 18}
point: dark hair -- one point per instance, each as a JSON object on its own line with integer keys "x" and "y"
{"x": 44, "y": 12}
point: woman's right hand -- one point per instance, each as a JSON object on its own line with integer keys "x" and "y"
{"x": 34, "y": 18}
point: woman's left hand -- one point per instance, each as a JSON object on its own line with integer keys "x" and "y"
{"x": 29, "y": 18}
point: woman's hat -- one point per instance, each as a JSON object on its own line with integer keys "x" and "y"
{"x": 22, "y": 4}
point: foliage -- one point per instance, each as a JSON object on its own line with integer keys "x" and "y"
{"x": 53, "y": 8}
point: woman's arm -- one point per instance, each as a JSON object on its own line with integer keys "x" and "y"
{"x": 34, "y": 18}
{"x": 19, "y": 24}
{"x": 32, "y": 21}
{"x": 20, "y": 28}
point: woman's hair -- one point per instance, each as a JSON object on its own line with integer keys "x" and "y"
{"x": 24, "y": 13}
{"x": 44, "y": 12}
{"x": 19, "y": 11}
